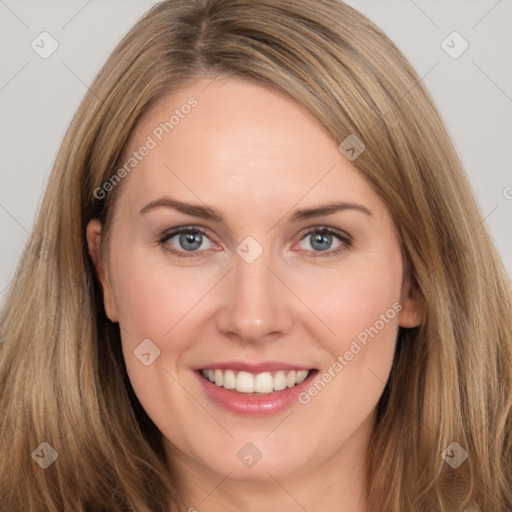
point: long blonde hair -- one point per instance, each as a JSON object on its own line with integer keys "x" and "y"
{"x": 62, "y": 376}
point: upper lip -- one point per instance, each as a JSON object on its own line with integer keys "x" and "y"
{"x": 243, "y": 366}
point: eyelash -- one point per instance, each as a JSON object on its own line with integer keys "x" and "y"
{"x": 342, "y": 237}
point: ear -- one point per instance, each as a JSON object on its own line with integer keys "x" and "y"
{"x": 94, "y": 245}
{"x": 411, "y": 314}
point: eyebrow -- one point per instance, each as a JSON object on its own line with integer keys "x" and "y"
{"x": 203, "y": 212}
{"x": 209, "y": 213}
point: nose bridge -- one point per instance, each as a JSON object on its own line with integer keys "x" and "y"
{"x": 252, "y": 282}
{"x": 256, "y": 304}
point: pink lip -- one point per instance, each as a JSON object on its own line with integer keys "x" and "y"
{"x": 264, "y": 366}
{"x": 254, "y": 405}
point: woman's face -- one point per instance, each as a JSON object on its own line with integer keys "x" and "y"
{"x": 287, "y": 263}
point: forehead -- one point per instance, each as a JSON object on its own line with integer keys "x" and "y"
{"x": 229, "y": 139}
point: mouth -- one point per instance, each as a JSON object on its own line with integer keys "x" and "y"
{"x": 263, "y": 383}
{"x": 254, "y": 389}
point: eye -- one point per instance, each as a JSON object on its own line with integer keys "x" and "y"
{"x": 321, "y": 240}
{"x": 189, "y": 241}
{"x": 185, "y": 241}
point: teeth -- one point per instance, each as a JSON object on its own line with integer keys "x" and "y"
{"x": 229, "y": 379}
{"x": 219, "y": 378}
{"x": 264, "y": 383}
{"x": 279, "y": 381}
{"x": 291, "y": 379}
{"x": 245, "y": 382}
{"x": 301, "y": 376}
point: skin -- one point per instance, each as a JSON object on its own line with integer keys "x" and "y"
{"x": 256, "y": 156}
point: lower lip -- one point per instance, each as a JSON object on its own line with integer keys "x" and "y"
{"x": 247, "y": 404}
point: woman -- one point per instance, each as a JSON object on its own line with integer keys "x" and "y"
{"x": 267, "y": 284}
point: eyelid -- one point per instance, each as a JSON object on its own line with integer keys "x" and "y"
{"x": 327, "y": 229}
{"x": 170, "y": 233}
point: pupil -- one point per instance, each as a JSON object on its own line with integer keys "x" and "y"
{"x": 321, "y": 238}
{"x": 190, "y": 238}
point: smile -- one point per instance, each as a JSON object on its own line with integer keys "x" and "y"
{"x": 262, "y": 383}
{"x": 254, "y": 389}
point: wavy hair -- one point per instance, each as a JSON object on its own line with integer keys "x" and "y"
{"x": 62, "y": 376}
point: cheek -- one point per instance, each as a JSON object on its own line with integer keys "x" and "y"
{"x": 151, "y": 297}
{"x": 153, "y": 302}
{"x": 362, "y": 311}
{"x": 360, "y": 303}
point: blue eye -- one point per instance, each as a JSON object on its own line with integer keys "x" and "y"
{"x": 189, "y": 240}
{"x": 322, "y": 239}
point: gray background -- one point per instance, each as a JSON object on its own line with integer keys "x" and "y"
{"x": 38, "y": 97}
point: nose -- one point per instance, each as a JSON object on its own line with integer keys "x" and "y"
{"x": 257, "y": 305}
